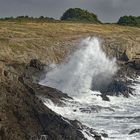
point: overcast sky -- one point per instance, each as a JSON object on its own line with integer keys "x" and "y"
{"x": 107, "y": 10}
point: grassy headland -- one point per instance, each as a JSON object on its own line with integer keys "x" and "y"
{"x": 51, "y": 42}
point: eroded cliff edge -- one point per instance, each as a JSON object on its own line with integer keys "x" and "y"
{"x": 22, "y": 114}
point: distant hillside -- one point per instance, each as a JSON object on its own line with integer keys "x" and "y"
{"x": 77, "y": 14}
{"x": 27, "y": 18}
{"x": 129, "y": 20}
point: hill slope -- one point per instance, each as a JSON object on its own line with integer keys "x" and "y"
{"x": 51, "y": 42}
{"x": 77, "y": 14}
{"x": 130, "y": 21}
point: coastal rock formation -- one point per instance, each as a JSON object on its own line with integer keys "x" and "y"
{"x": 119, "y": 84}
{"x": 134, "y": 131}
{"x": 23, "y": 115}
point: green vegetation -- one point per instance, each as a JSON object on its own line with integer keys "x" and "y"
{"x": 27, "y": 18}
{"x": 129, "y": 20}
{"x": 77, "y": 14}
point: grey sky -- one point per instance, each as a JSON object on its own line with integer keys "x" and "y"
{"x": 107, "y": 10}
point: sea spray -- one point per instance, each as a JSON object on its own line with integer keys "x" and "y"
{"x": 117, "y": 118}
{"x": 87, "y": 67}
{"x": 89, "y": 63}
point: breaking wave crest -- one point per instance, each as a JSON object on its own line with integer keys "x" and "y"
{"x": 87, "y": 67}
{"x": 89, "y": 64}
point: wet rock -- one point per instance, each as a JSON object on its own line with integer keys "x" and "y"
{"x": 135, "y": 64}
{"x": 98, "y": 137}
{"x": 104, "y": 135}
{"x": 77, "y": 124}
{"x": 35, "y": 63}
{"x": 94, "y": 108}
{"x": 23, "y": 116}
{"x": 134, "y": 131}
{"x": 44, "y": 92}
{"x": 124, "y": 57}
{"x": 34, "y": 71}
{"x": 26, "y": 107}
{"x": 86, "y": 110}
{"x": 93, "y": 133}
{"x": 104, "y": 97}
{"x": 115, "y": 88}
{"x": 118, "y": 87}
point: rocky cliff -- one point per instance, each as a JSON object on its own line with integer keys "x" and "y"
{"x": 22, "y": 114}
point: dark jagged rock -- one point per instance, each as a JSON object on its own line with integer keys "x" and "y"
{"x": 117, "y": 88}
{"x": 35, "y": 63}
{"x": 134, "y": 64}
{"x": 50, "y": 93}
{"x": 30, "y": 78}
{"x": 97, "y": 137}
{"x": 104, "y": 97}
{"x": 119, "y": 84}
{"x": 28, "y": 115}
{"x": 134, "y": 131}
{"x": 44, "y": 92}
{"x": 124, "y": 57}
{"x": 92, "y": 132}
{"x": 34, "y": 71}
{"x": 95, "y": 108}
{"x": 24, "y": 116}
{"x": 104, "y": 135}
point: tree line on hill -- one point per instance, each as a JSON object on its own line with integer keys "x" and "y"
{"x": 129, "y": 20}
{"x": 27, "y": 18}
{"x": 77, "y": 15}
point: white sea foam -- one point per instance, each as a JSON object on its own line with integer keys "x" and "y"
{"x": 89, "y": 63}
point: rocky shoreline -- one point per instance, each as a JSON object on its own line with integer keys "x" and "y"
{"x": 23, "y": 115}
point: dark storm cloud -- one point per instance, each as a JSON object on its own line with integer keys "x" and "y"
{"x": 107, "y": 10}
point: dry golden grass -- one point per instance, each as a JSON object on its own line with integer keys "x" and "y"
{"x": 51, "y": 42}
